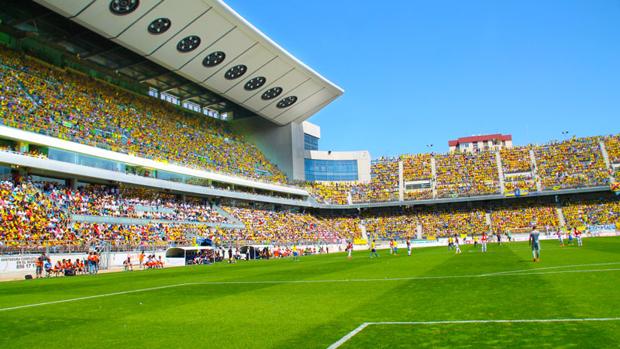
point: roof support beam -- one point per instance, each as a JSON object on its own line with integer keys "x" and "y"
{"x": 98, "y": 52}
{"x": 154, "y": 76}
{"x": 172, "y": 87}
{"x": 196, "y": 95}
{"x": 130, "y": 65}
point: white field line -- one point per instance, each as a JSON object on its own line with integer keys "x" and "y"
{"x": 556, "y": 267}
{"x": 361, "y": 327}
{"x": 263, "y": 282}
{"x": 94, "y": 296}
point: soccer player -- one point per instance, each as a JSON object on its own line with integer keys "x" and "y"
{"x": 475, "y": 241}
{"x": 484, "y": 242}
{"x": 456, "y": 244}
{"x": 141, "y": 259}
{"x": 373, "y": 249}
{"x": 408, "y": 247}
{"x": 395, "y": 246}
{"x": 349, "y": 250}
{"x": 578, "y": 237}
{"x": 295, "y": 253}
{"x": 560, "y": 238}
{"x": 535, "y": 244}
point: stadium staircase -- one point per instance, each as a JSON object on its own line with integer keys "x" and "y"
{"x": 608, "y": 163}
{"x": 605, "y": 155}
{"x": 434, "y": 180}
{"x": 500, "y": 171}
{"x": 401, "y": 184}
{"x": 561, "y": 218}
{"x": 535, "y": 171}
{"x": 234, "y": 222}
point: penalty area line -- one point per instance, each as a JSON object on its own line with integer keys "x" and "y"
{"x": 361, "y": 327}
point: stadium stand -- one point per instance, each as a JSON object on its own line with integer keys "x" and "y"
{"x": 282, "y": 226}
{"x": 612, "y": 145}
{"x": 466, "y": 174}
{"x": 516, "y": 160}
{"x": 337, "y": 193}
{"x": 417, "y": 167}
{"x": 601, "y": 210}
{"x": 573, "y": 163}
{"x": 70, "y": 106}
{"x": 434, "y": 222}
{"x": 383, "y": 184}
{"x": 518, "y": 217}
{"x": 41, "y": 214}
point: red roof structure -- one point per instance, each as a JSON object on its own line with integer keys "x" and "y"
{"x": 471, "y": 139}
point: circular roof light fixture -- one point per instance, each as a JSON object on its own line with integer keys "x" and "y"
{"x": 235, "y": 72}
{"x": 188, "y": 44}
{"x": 286, "y": 102}
{"x": 158, "y": 26}
{"x": 271, "y": 93}
{"x": 123, "y": 7}
{"x": 213, "y": 59}
{"x": 255, "y": 83}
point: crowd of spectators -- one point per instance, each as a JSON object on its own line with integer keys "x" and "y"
{"x": 612, "y": 145}
{"x": 430, "y": 222}
{"x": 346, "y": 226}
{"x": 522, "y": 216}
{"x": 417, "y": 167}
{"x": 592, "y": 211}
{"x": 577, "y": 162}
{"x": 462, "y": 174}
{"x": 39, "y": 213}
{"x": 282, "y": 226}
{"x": 335, "y": 193}
{"x": 383, "y": 184}
{"x": 131, "y": 202}
{"x": 67, "y": 105}
{"x": 516, "y": 160}
{"x": 28, "y": 216}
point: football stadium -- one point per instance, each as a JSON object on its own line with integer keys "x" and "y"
{"x": 162, "y": 186}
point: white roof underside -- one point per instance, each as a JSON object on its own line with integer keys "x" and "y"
{"x": 220, "y": 29}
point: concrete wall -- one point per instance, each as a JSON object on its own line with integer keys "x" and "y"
{"x": 282, "y": 145}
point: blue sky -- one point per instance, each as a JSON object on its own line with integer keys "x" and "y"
{"x": 423, "y": 72}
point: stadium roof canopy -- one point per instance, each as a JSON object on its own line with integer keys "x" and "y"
{"x": 198, "y": 50}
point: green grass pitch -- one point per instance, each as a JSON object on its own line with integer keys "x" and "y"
{"x": 317, "y": 301}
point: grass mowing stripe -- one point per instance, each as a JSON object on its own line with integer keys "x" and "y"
{"x": 556, "y": 267}
{"x": 93, "y": 296}
{"x": 361, "y": 327}
{"x": 413, "y": 278}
